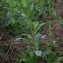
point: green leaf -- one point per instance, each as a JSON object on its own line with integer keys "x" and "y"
{"x": 58, "y": 60}
{"x": 27, "y": 11}
{"x": 17, "y": 39}
{"x": 38, "y": 53}
{"x": 37, "y": 41}
{"x": 24, "y": 2}
{"x": 30, "y": 37}
{"x": 39, "y": 28}
{"x": 46, "y": 52}
{"x": 36, "y": 25}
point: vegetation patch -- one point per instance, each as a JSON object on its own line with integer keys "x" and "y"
{"x": 31, "y": 31}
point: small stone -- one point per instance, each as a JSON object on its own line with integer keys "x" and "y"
{"x": 44, "y": 37}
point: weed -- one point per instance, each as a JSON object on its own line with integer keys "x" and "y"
{"x": 32, "y": 56}
{"x": 26, "y": 18}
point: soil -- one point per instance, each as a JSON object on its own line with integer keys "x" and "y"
{"x": 11, "y": 47}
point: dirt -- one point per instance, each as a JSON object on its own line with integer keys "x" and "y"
{"x": 57, "y": 28}
{"x": 11, "y": 47}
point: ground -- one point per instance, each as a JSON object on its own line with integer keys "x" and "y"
{"x": 12, "y": 47}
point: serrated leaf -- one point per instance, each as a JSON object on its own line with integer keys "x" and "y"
{"x": 37, "y": 41}
{"x": 39, "y": 27}
{"x": 46, "y": 52}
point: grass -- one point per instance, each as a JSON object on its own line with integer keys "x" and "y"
{"x": 26, "y": 18}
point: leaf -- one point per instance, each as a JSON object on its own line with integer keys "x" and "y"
{"x": 46, "y": 52}
{"x": 24, "y": 2}
{"x": 36, "y": 25}
{"x": 17, "y": 39}
{"x": 39, "y": 27}
{"x": 58, "y": 60}
{"x": 32, "y": 6}
{"x": 23, "y": 15}
{"x": 37, "y": 41}
{"x": 27, "y": 11}
{"x": 30, "y": 37}
{"x": 38, "y": 53}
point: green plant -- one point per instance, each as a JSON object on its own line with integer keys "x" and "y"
{"x": 33, "y": 56}
{"x": 26, "y": 18}
{"x": 27, "y": 57}
{"x": 3, "y": 12}
{"x": 30, "y": 56}
{"x": 19, "y": 13}
{"x": 30, "y": 30}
